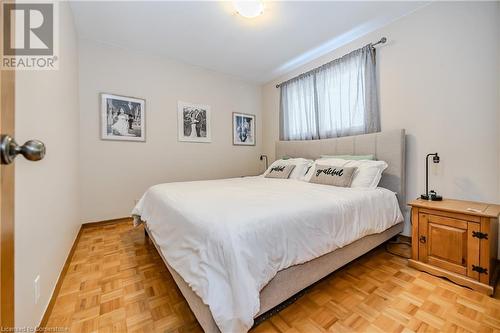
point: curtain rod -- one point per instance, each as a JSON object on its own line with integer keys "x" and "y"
{"x": 381, "y": 41}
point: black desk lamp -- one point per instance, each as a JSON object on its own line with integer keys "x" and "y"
{"x": 264, "y": 157}
{"x": 432, "y": 195}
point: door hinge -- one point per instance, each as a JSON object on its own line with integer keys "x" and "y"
{"x": 479, "y": 269}
{"x": 479, "y": 234}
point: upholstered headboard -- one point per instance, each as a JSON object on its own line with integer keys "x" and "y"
{"x": 387, "y": 146}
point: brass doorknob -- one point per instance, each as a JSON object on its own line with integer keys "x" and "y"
{"x": 33, "y": 150}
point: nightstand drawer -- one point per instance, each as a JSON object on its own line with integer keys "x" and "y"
{"x": 451, "y": 222}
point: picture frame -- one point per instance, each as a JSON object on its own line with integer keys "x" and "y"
{"x": 244, "y": 129}
{"x": 194, "y": 122}
{"x": 122, "y": 118}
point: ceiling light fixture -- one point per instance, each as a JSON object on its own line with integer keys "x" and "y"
{"x": 249, "y": 9}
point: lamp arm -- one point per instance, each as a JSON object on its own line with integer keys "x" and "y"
{"x": 264, "y": 157}
{"x": 427, "y": 172}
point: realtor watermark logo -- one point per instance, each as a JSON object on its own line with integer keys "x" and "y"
{"x": 30, "y": 36}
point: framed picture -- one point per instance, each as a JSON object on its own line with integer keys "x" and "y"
{"x": 122, "y": 118}
{"x": 194, "y": 122}
{"x": 243, "y": 129}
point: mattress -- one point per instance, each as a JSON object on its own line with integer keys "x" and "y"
{"x": 228, "y": 238}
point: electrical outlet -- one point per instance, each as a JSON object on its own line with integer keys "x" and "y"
{"x": 36, "y": 284}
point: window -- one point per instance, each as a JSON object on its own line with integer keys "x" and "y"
{"x": 336, "y": 99}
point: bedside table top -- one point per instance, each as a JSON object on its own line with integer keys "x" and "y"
{"x": 459, "y": 206}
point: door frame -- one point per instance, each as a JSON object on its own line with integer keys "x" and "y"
{"x": 7, "y": 111}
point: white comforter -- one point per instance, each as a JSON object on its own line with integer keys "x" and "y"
{"x": 228, "y": 238}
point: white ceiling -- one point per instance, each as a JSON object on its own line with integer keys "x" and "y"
{"x": 213, "y": 36}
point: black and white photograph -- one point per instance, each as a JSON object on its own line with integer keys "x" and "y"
{"x": 194, "y": 122}
{"x": 243, "y": 129}
{"x": 122, "y": 118}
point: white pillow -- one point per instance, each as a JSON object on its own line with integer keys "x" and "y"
{"x": 367, "y": 175}
{"x": 302, "y": 165}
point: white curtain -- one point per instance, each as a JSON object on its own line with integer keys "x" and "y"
{"x": 336, "y": 99}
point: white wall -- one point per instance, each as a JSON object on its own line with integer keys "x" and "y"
{"x": 437, "y": 79}
{"x": 114, "y": 174}
{"x": 47, "y": 192}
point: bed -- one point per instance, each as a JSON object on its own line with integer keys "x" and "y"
{"x": 239, "y": 247}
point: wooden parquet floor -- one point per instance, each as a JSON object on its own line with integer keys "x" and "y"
{"x": 117, "y": 282}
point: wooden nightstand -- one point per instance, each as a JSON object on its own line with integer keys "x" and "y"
{"x": 453, "y": 241}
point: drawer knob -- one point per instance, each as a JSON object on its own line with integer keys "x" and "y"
{"x": 422, "y": 239}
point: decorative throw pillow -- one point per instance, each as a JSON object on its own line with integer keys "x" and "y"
{"x": 280, "y": 171}
{"x": 300, "y": 170}
{"x": 367, "y": 174}
{"x": 332, "y": 175}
